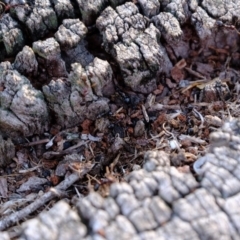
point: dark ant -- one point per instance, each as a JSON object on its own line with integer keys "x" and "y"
{"x": 220, "y": 23}
{"x": 6, "y": 7}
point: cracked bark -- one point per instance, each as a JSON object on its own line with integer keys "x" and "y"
{"x": 171, "y": 204}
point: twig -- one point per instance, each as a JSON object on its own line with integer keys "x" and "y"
{"x": 12, "y": 219}
{"x": 194, "y": 73}
{"x": 42, "y": 141}
{"x": 52, "y": 154}
{"x": 200, "y": 116}
{"x": 136, "y": 156}
{"x": 118, "y": 111}
{"x": 176, "y": 143}
{"x": 146, "y": 117}
{"x": 166, "y": 131}
{"x": 30, "y": 169}
{"x": 156, "y": 136}
{"x": 114, "y": 163}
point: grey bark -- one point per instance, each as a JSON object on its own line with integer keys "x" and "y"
{"x": 79, "y": 54}
{"x": 11, "y": 35}
{"x": 73, "y": 100}
{"x": 7, "y": 151}
{"x": 100, "y": 75}
{"x": 26, "y": 62}
{"x": 91, "y": 9}
{"x": 22, "y": 108}
{"x": 134, "y": 45}
{"x": 39, "y": 19}
{"x": 70, "y": 33}
{"x": 50, "y": 53}
{"x": 64, "y": 9}
{"x": 170, "y": 204}
{"x": 150, "y": 8}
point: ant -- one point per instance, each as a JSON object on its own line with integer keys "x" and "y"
{"x": 220, "y": 23}
{"x": 6, "y": 7}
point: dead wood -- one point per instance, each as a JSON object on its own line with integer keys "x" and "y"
{"x": 52, "y": 193}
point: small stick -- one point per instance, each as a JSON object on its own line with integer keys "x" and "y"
{"x": 194, "y": 73}
{"x": 119, "y": 110}
{"x": 30, "y": 169}
{"x": 146, "y": 117}
{"x": 42, "y": 141}
{"x": 51, "y": 154}
{"x": 14, "y": 218}
{"x": 114, "y": 163}
{"x": 172, "y": 135}
{"x": 200, "y": 116}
